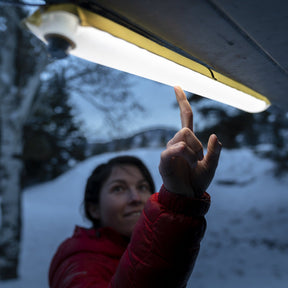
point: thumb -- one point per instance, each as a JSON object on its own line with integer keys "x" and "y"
{"x": 213, "y": 152}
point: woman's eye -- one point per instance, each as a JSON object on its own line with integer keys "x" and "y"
{"x": 144, "y": 188}
{"x": 118, "y": 189}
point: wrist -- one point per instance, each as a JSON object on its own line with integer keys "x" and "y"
{"x": 187, "y": 205}
{"x": 184, "y": 191}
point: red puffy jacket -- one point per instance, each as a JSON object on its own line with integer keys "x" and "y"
{"x": 161, "y": 253}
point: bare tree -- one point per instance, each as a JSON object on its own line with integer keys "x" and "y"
{"x": 22, "y": 61}
{"x": 107, "y": 90}
{"x": 20, "y": 79}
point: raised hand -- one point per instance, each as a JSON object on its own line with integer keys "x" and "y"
{"x": 183, "y": 167}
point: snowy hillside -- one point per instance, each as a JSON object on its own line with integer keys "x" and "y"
{"x": 246, "y": 244}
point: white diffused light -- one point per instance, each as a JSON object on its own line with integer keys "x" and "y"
{"x": 103, "y": 48}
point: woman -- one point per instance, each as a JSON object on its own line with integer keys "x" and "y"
{"x": 141, "y": 238}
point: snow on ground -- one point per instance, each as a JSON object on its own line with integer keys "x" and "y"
{"x": 246, "y": 243}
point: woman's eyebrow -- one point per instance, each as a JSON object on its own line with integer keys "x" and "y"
{"x": 142, "y": 180}
{"x": 116, "y": 181}
{"x": 124, "y": 181}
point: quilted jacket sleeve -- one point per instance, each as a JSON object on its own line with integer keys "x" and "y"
{"x": 83, "y": 271}
{"x": 165, "y": 243}
{"x": 161, "y": 253}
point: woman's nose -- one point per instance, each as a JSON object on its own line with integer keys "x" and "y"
{"x": 134, "y": 195}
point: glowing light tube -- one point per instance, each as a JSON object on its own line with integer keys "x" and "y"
{"x": 103, "y": 48}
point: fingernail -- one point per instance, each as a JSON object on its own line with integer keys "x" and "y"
{"x": 219, "y": 146}
{"x": 177, "y": 90}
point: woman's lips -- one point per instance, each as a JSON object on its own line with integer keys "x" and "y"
{"x": 133, "y": 214}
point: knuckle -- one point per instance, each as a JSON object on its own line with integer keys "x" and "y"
{"x": 187, "y": 112}
{"x": 186, "y": 132}
{"x": 163, "y": 154}
{"x": 182, "y": 145}
{"x": 169, "y": 143}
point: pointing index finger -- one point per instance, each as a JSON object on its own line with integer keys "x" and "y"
{"x": 186, "y": 113}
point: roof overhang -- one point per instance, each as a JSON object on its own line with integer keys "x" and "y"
{"x": 243, "y": 41}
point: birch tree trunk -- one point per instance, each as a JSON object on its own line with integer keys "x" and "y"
{"x": 18, "y": 85}
{"x": 11, "y": 166}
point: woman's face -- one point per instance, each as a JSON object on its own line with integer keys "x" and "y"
{"x": 122, "y": 199}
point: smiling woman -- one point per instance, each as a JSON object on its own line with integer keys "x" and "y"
{"x": 116, "y": 193}
{"x": 140, "y": 238}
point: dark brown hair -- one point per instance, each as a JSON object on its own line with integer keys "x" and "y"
{"x": 102, "y": 172}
